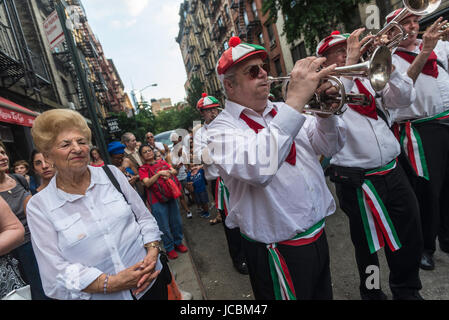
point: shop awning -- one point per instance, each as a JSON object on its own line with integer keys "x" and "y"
{"x": 11, "y": 112}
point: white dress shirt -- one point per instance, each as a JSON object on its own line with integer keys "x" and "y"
{"x": 199, "y": 146}
{"x": 76, "y": 238}
{"x": 271, "y": 200}
{"x": 432, "y": 94}
{"x": 370, "y": 143}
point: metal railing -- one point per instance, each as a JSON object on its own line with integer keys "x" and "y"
{"x": 7, "y": 44}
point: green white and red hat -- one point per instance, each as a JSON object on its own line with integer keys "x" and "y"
{"x": 238, "y": 51}
{"x": 207, "y": 102}
{"x": 394, "y": 13}
{"x": 330, "y": 41}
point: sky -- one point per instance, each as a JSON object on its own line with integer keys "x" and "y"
{"x": 139, "y": 36}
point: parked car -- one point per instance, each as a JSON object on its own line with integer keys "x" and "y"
{"x": 164, "y": 138}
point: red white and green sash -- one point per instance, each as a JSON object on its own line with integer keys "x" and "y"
{"x": 221, "y": 196}
{"x": 375, "y": 218}
{"x": 412, "y": 144}
{"x": 282, "y": 280}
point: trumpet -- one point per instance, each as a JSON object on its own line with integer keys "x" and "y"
{"x": 416, "y": 7}
{"x": 377, "y": 70}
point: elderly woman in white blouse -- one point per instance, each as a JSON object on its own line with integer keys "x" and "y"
{"x": 90, "y": 241}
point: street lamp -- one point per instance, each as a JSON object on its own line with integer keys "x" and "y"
{"x": 133, "y": 96}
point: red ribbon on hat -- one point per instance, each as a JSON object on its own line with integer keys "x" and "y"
{"x": 431, "y": 66}
{"x": 291, "y": 158}
{"x": 369, "y": 111}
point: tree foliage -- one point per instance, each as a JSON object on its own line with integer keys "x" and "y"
{"x": 312, "y": 19}
{"x": 140, "y": 124}
{"x": 176, "y": 119}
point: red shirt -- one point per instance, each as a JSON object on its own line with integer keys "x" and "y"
{"x": 149, "y": 170}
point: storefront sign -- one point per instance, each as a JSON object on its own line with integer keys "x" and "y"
{"x": 53, "y": 30}
{"x": 113, "y": 126}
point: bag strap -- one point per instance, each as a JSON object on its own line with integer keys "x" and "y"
{"x": 21, "y": 180}
{"x": 116, "y": 184}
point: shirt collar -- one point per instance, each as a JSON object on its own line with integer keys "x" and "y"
{"x": 236, "y": 109}
{"x": 59, "y": 197}
{"x": 416, "y": 50}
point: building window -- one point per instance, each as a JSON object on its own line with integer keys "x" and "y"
{"x": 254, "y": 9}
{"x": 299, "y": 52}
{"x": 260, "y": 37}
{"x": 277, "y": 65}
{"x": 271, "y": 35}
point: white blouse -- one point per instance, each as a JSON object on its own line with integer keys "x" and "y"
{"x": 271, "y": 200}
{"x": 76, "y": 238}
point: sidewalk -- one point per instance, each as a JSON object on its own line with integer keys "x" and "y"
{"x": 186, "y": 275}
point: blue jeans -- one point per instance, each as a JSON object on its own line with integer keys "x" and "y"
{"x": 169, "y": 222}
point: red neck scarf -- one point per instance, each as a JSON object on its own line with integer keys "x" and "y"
{"x": 431, "y": 66}
{"x": 369, "y": 111}
{"x": 291, "y": 158}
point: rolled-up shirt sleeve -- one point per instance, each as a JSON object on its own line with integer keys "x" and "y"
{"x": 71, "y": 278}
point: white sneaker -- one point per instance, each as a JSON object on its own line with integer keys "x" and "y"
{"x": 189, "y": 215}
{"x": 186, "y": 295}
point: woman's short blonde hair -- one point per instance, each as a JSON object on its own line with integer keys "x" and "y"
{"x": 50, "y": 124}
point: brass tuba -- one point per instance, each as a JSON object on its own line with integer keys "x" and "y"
{"x": 377, "y": 70}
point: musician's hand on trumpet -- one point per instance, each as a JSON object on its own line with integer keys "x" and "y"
{"x": 433, "y": 34}
{"x": 354, "y": 45}
{"x": 305, "y": 78}
{"x": 329, "y": 94}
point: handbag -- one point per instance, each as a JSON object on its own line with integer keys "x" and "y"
{"x": 176, "y": 193}
{"x": 12, "y": 286}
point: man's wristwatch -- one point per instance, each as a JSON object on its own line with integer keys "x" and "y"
{"x": 154, "y": 244}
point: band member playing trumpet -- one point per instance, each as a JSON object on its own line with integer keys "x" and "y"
{"x": 267, "y": 155}
{"x": 424, "y": 130}
{"x": 371, "y": 186}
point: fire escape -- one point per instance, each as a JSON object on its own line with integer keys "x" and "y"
{"x": 18, "y": 64}
{"x": 89, "y": 58}
{"x": 246, "y": 30}
{"x": 242, "y": 32}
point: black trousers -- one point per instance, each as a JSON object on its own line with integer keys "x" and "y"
{"x": 159, "y": 289}
{"x": 308, "y": 266}
{"x": 400, "y": 201}
{"x": 433, "y": 195}
{"x": 233, "y": 236}
{"x": 234, "y": 240}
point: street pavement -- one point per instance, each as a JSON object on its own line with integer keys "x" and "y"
{"x": 207, "y": 271}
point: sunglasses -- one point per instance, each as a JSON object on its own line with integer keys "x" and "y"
{"x": 254, "y": 70}
{"x": 150, "y": 137}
